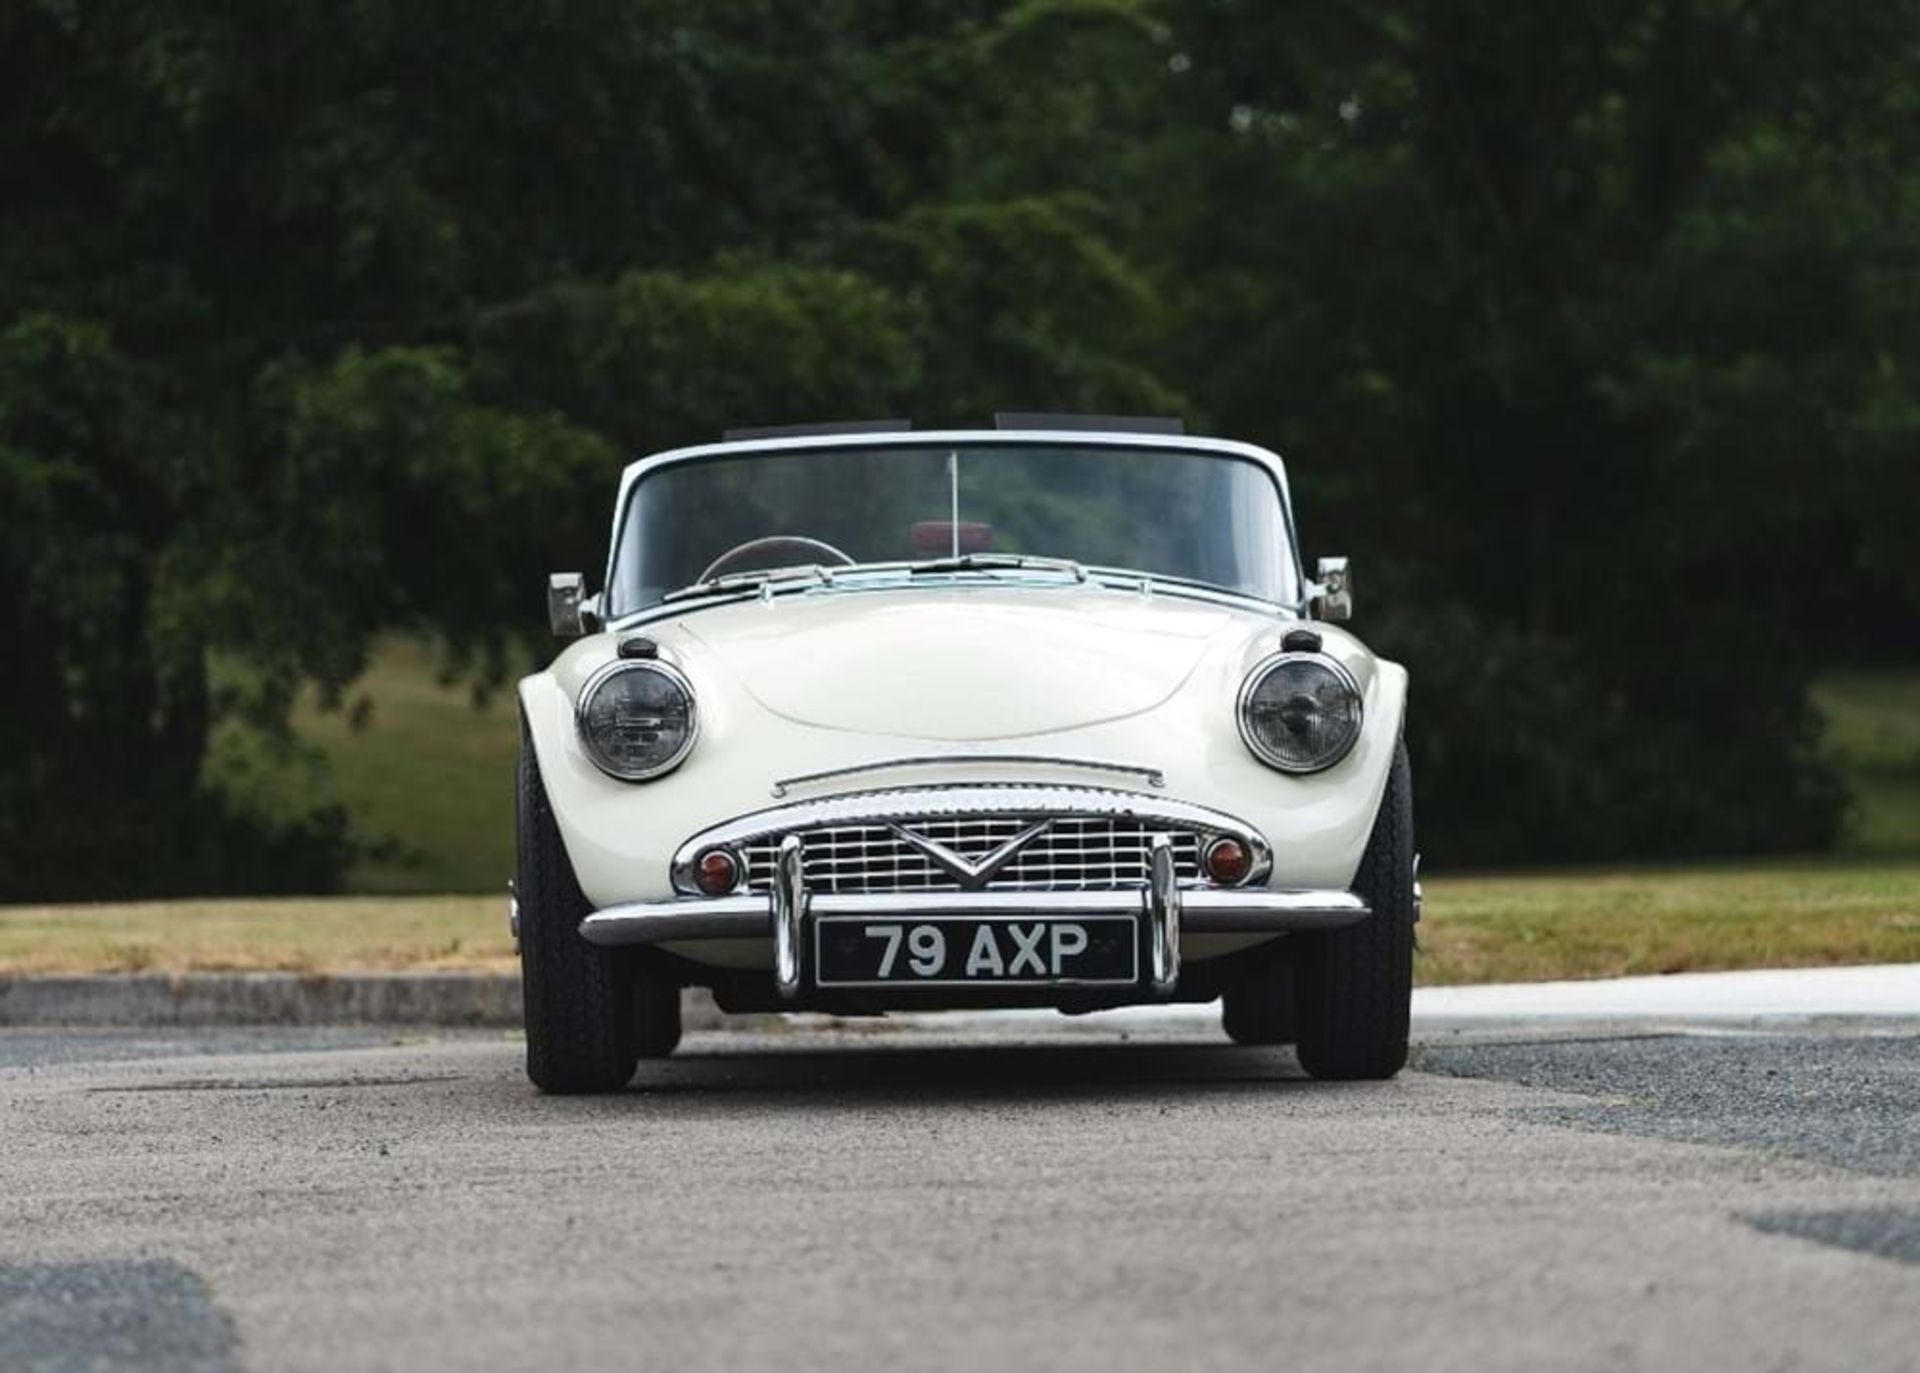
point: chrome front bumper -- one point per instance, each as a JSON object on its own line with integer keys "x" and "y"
{"x": 1167, "y": 907}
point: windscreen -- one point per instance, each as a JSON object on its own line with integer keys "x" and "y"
{"x": 1202, "y": 517}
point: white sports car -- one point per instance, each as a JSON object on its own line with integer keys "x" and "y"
{"x": 1046, "y": 715}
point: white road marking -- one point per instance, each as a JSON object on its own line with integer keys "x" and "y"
{"x": 1877, "y": 992}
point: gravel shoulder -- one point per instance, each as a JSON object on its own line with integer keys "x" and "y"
{"x": 1851, "y": 1100}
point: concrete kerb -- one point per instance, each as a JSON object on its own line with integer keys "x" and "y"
{"x": 479, "y": 1000}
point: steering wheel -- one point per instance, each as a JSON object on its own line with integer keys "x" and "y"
{"x": 795, "y": 548}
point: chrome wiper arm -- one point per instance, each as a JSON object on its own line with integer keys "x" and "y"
{"x": 747, "y": 581}
{"x": 989, "y": 562}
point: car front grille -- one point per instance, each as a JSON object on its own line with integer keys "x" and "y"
{"x": 1068, "y": 853}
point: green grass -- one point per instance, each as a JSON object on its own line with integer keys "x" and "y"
{"x": 426, "y": 768}
{"x": 1477, "y": 929}
{"x": 302, "y": 934}
{"x": 1531, "y": 928}
{"x": 1873, "y": 732}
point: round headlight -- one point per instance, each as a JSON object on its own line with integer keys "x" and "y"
{"x": 1300, "y": 712}
{"x": 637, "y": 719}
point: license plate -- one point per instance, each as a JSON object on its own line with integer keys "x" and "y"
{"x": 956, "y": 950}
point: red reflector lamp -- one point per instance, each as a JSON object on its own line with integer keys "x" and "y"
{"x": 1228, "y": 862}
{"x": 716, "y": 872}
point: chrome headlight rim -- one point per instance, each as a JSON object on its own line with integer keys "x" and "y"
{"x": 1256, "y": 678}
{"x": 607, "y": 673}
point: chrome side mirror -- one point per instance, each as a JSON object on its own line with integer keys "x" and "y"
{"x": 567, "y": 605}
{"x": 1333, "y": 597}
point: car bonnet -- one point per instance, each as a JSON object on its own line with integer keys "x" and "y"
{"x": 958, "y": 663}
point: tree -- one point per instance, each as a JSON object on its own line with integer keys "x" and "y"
{"x": 1589, "y": 331}
{"x": 320, "y": 323}
{"x": 1582, "y": 327}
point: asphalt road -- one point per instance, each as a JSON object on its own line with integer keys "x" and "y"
{"x": 277, "y": 1200}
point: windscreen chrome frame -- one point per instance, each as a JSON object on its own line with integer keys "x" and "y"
{"x": 979, "y": 438}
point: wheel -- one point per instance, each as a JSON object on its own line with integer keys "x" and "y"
{"x": 1258, "y": 1006}
{"x": 583, "y": 1033}
{"x": 1355, "y": 986}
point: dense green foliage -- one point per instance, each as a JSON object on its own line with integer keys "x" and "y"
{"x": 1589, "y": 330}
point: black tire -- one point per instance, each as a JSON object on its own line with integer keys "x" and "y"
{"x": 1355, "y": 986}
{"x": 582, "y": 1031}
{"x": 1257, "y": 1007}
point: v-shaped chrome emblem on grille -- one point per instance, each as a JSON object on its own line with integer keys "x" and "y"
{"x": 971, "y": 873}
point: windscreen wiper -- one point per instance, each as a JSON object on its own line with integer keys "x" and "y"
{"x": 748, "y": 581}
{"x": 990, "y": 562}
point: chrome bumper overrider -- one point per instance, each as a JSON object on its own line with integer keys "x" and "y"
{"x": 1169, "y": 909}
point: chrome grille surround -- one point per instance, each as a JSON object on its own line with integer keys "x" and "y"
{"x": 1070, "y": 854}
{"x": 992, "y": 837}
